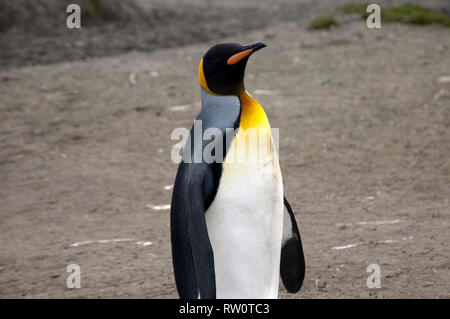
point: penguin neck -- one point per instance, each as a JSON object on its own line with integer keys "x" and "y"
{"x": 252, "y": 114}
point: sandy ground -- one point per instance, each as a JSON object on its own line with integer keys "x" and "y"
{"x": 364, "y": 148}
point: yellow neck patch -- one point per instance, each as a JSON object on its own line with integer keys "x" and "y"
{"x": 253, "y": 115}
{"x": 253, "y": 142}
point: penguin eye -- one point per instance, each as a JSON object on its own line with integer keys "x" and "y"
{"x": 215, "y": 59}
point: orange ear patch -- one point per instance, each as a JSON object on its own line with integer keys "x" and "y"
{"x": 239, "y": 56}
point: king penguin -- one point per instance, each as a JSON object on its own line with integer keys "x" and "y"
{"x": 233, "y": 232}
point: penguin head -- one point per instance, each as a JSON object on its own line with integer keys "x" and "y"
{"x": 222, "y": 68}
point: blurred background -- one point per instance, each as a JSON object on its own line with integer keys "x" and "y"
{"x": 33, "y": 31}
{"x": 86, "y": 117}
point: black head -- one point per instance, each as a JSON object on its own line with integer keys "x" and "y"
{"x": 224, "y": 67}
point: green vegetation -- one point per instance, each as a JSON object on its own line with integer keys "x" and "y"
{"x": 95, "y": 11}
{"x": 30, "y": 6}
{"x": 322, "y": 23}
{"x": 405, "y": 13}
{"x": 354, "y": 8}
{"x": 411, "y": 13}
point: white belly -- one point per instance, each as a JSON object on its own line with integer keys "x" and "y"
{"x": 245, "y": 224}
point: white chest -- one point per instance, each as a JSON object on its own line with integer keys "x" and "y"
{"x": 245, "y": 225}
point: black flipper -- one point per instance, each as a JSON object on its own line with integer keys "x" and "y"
{"x": 192, "y": 253}
{"x": 292, "y": 266}
{"x": 194, "y": 190}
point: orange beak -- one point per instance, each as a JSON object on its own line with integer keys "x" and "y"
{"x": 235, "y": 58}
